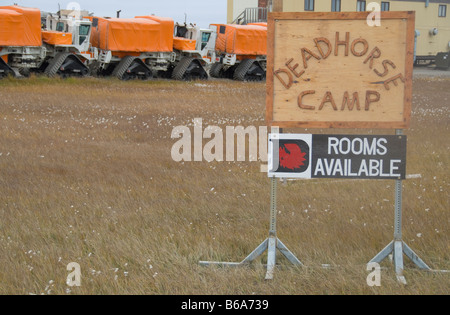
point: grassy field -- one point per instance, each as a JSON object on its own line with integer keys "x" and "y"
{"x": 86, "y": 176}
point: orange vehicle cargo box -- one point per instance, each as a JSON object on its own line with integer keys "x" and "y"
{"x": 181, "y": 43}
{"x": 242, "y": 39}
{"x": 131, "y": 35}
{"x": 167, "y": 28}
{"x": 57, "y": 38}
{"x": 259, "y": 24}
{"x": 20, "y": 26}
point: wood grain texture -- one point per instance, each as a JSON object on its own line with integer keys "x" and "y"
{"x": 331, "y": 70}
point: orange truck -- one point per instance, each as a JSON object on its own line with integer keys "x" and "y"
{"x": 241, "y": 52}
{"x": 141, "y": 47}
{"x": 25, "y": 47}
{"x": 131, "y": 48}
{"x": 20, "y": 30}
{"x": 148, "y": 46}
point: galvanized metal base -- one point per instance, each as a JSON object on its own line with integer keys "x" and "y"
{"x": 270, "y": 245}
{"x": 397, "y": 247}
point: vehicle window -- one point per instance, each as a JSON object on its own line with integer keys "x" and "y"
{"x": 181, "y": 31}
{"x": 84, "y": 31}
{"x": 205, "y": 37}
{"x": 60, "y": 27}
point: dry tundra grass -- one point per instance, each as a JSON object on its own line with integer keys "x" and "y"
{"x": 86, "y": 176}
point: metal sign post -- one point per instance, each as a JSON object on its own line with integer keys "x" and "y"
{"x": 397, "y": 247}
{"x": 271, "y": 244}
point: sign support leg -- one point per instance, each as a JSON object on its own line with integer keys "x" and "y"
{"x": 397, "y": 247}
{"x": 274, "y": 242}
{"x": 270, "y": 245}
{"x": 272, "y": 248}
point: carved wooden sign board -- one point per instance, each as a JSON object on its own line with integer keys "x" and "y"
{"x": 333, "y": 70}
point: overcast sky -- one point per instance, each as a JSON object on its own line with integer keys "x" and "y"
{"x": 201, "y": 12}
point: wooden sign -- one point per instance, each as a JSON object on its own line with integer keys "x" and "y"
{"x": 333, "y": 70}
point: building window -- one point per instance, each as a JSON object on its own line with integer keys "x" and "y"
{"x": 335, "y": 5}
{"x": 385, "y": 6}
{"x": 309, "y": 5}
{"x": 361, "y": 6}
{"x": 442, "y": 10}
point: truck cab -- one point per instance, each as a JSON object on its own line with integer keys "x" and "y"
{"x": 79, "y": 29}
{"x": 205, "y": 45}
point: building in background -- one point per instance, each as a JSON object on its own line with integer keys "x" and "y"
{"x": 248, "y": 11}
{"x": 432, "y": 17}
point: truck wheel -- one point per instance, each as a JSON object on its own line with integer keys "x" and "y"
{"x": 228, "y": 73}
{"x": 132, "y": 68}
{"x": 25, "y": 72}
{"x": 215, "y": 70}
{"x": 189, "y": 69}
{"x": 5, "y": 70}
{"x": 121, "y": 69}
{"x": 249, "y": 70}
{"x": 107, "y": 72}
{"x": 165, "y": 74}
{"x": 55, "y": 64}
{"x": 65, "y": 65}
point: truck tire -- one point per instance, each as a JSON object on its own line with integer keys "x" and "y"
{"x": 5, "y": 70}
{"x": 66, "y": 64}
{"x": 131, "y": 68}
{"x": 215, "y": 71}
{"x": 189, "y": 69}
{"x": 122, "y": 67}
{"x": 249, "y": 70}
{"x": 25, "y": 72}
{"x": 228, "y": 73}
{"x": 107, "y": 72}
{"x": 55, "y": 64}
